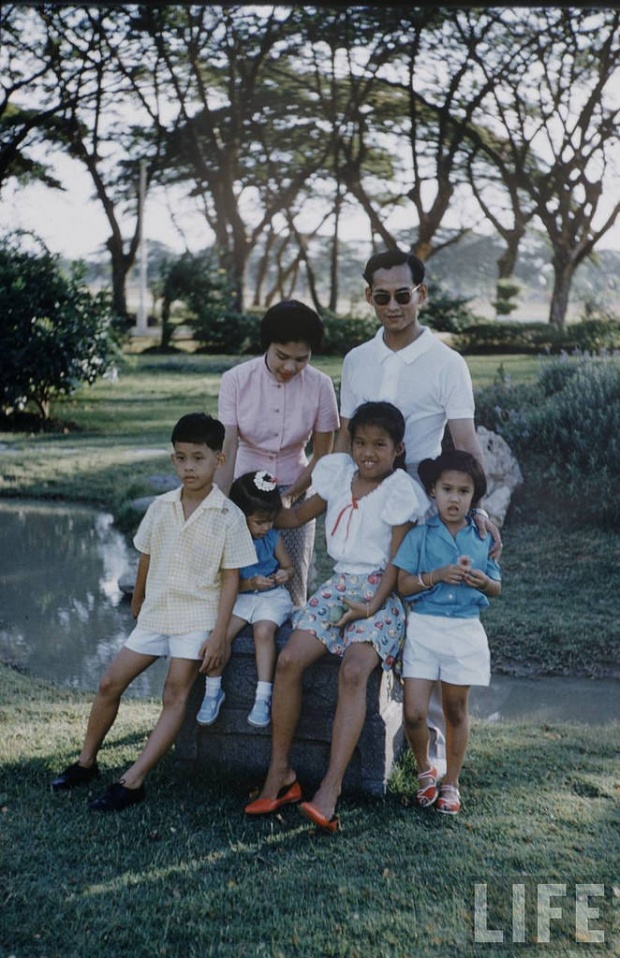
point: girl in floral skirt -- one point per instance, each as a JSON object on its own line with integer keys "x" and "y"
{"x": 369, "y": 504}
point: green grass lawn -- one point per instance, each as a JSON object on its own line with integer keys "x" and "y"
{"x": 187, "y": 875}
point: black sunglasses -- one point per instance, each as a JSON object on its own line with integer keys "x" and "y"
{"x": 402, "y": 296}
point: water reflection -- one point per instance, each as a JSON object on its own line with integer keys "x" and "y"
{"x": 62, "y": 614}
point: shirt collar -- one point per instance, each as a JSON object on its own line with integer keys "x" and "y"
{"x": 215, "y": 500}
{"x": 410, "y": 353}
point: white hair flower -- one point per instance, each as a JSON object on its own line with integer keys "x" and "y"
{"x": 264, "y": 482}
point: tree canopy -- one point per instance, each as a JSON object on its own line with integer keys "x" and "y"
{"x": 280, "y": 121}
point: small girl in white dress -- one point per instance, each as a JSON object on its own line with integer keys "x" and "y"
{"x": 369, "y": 504}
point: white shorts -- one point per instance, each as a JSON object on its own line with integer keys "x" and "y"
{"x": 273, "y": 605}
{"x": 447, "y": 649}
{"x": 187, "y": 645}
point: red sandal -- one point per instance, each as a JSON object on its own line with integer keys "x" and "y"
{"x": 427, "y": 793}
{"x": 449, "y": 801}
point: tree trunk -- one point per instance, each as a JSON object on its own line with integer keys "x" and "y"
{"x": 564, "y": 269}
{"x": 121, "y": 265}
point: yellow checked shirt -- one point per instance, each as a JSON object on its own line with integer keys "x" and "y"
{"x": 186, "y": 559}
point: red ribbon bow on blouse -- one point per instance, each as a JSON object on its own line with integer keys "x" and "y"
{"x": 351, "y": 506}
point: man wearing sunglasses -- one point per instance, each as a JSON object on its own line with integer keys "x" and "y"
{"x": 406, "y": 364}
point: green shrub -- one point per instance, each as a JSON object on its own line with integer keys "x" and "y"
{"x": 54, "y": 334}
{"x": 592, "y": 336}
{"x": 342, "y": 333}
{"x": 501, "y": 406}
{"x": 446, "y": 313}
{"x": 565, "y": 432}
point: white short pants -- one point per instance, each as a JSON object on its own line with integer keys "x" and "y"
{"x": 187, "y": 645}
{"x": 273, "y": 605}
{"x": 447, "y": 649}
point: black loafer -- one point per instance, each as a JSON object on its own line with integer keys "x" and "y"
{"x": 116, "y": 798}
{"x": 73, "y": 775}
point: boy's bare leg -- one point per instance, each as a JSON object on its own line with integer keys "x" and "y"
{"x": 301, "y": 651}
{"x": 124, "y": 668}
{"x": 357, "y": 665}
{"x": 415, "y": 712}
{"x": 455, "y": 698}
{"x": 179, "y": 680}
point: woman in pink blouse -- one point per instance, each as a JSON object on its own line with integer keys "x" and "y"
{"x": 272, "y": 407}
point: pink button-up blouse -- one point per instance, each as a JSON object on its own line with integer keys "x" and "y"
{"x": 275, "y": 420}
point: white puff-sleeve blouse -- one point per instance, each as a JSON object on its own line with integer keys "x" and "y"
{"x": 358, "y": 532}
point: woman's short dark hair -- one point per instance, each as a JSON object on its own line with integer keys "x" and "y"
{"x": 394, "y": 257}
{"x": 291, "y": 322}
{"x": 256, "y": 493}
{"x": 198, "y": 427}
{"x": 459, "y": 460}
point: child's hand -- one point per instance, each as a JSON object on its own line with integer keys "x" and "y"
{"x": 212, "y": 653}
{"x": 452, "y": 574}
{"x": 281, "y": 576}
{"x": 477, "y": 579}
{"x": 352, "y": 612}
{"x": 260, "y": 582}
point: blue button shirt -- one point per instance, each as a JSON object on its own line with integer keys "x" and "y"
{"x": 430, "y": 546}
{"x": 267, "y": 563}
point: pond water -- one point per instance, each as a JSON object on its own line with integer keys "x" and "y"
{"x": 63, "y": 617}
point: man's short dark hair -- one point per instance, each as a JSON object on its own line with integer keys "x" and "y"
{"x": 291, "y": 322}
{"x": 394, "y": 257}
{"x": 198, "y": 427}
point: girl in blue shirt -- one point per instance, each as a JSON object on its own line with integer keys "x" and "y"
{"x": 446, "y": 576}
{"x": 263, "y": 599}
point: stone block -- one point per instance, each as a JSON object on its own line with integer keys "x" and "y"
{"x": 243, "y": 751}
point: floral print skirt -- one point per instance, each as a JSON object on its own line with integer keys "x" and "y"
{"x": 385, "y": 630}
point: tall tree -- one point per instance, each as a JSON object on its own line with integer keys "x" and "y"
{"x": 231, "y": 127}
{"x": 26, "y": 120}
{"x": 558, "y": 114}
{"x": 95, "y": 127}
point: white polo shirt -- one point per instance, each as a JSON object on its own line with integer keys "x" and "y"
{"x": 186, "y": 559}
{"x": 428, "y": 381}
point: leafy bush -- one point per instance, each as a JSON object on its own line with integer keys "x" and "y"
{"x": 447, "y": 313}
{"x": 54, "y": 334}
{"x": 565, "y": 431}
{"x": 342, "y": 333}
{"x": 511, "y": 337}
{"x": 578, "y": 430}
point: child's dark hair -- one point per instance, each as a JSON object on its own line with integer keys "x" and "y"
{"x": 256, "y": 493}
{"x": 291, "y": 322}
{"x": 430, "y": 470}
{"x": 384, "y": 415}
{"x": 198, "y": 427}
{"x": 394, "y": 257}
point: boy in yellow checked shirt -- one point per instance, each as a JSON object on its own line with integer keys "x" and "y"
{"x": 192, "y": 543}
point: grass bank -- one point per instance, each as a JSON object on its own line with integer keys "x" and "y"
{"x": 186, "y": 875}
{"x": 555, "y": 613}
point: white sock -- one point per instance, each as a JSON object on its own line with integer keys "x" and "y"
{"x": 213, "y": 686}
{"x": 263, "y": 690}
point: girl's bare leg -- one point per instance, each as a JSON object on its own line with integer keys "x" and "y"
{"x": 301, "y": 651}
{"x": 415, "y": 712}
{"x": 179, "y": 680}
{"x": 357, "y": 665}
{"x": 125, "y": 667}
{"x": 454, "y": 700}
{"x": 265, "y": 650}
